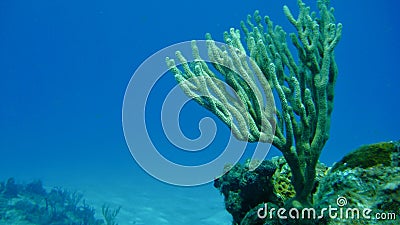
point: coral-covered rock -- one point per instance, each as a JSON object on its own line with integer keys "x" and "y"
{"x": 281, "y": 179}
{"x": 244, "y": 188}
{"x": 384, "y": 153}
{"x": 368, "y": 178}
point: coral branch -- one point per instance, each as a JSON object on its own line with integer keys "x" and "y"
{"x": 305, "y": 88}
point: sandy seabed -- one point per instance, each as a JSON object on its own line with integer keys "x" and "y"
{"x": 150, "y": 201}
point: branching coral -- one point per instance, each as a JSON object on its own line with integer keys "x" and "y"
{"x": 305, "y": 87}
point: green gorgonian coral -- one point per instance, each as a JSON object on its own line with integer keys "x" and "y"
{"x": 305, "y": 87}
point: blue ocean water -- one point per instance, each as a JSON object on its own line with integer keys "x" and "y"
{"x": 65, "y": 65}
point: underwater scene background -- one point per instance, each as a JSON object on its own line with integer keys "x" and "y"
{"x": 65, "y": 66}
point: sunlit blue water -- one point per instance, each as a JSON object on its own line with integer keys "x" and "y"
{"x": 64, "y": 67}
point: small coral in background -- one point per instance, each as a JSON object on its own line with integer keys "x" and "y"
{"x": 110, "y": 214}
{"x": 31, "y": 204}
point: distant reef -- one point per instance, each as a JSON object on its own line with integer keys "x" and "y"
{"x": 32, "y": 204}
{"x": 362, "y": 188}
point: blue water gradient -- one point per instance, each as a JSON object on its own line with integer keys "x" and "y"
{"x": 64, "y": 67}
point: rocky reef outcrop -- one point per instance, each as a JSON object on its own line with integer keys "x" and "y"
{"x": 362, "y": 188}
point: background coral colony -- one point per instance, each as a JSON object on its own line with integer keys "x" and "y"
{"x": 65, "y": 69}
